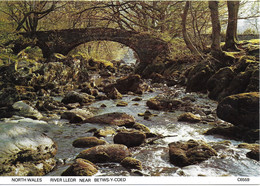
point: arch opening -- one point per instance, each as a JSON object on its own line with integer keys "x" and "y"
{"x": 114, "y": 52}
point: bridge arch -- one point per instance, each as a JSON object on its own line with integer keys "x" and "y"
{"x": 108, "y": 51}
{"x": 146, "y": 46}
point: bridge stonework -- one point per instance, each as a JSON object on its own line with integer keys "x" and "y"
{"x": 146, "y": 46}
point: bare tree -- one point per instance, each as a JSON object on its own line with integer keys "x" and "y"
{"x": 186, "y": 38}
{"x": 216, "y": 50}
{"x": 231, "y": 32}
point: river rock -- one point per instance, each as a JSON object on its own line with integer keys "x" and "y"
{"x": 81, "y": 167}
{"x": 137, "y": 99}
{"x": 26, "y": 110}
{"x": 199, "y": 74}
{"x": 189, "y": 117}
{"x": 157, "y": 78}
{"x": 114, "y": 94}
{"x": 219, "y": 81}
{"x": 48, "y": 104}
{"x": 253, "y": 85}
{"x": 131, "y": 163}
{"x": 104, "y": 132}
{"x": 221, "y": 145}
{"x": 89, "y": 89}
{"x": 240, "y": 109}
{"x": 161, "y": 103}
{"x": 190, "y": 152}
{"x": 130, "y": 138}
{"x": 121, "y": 104}
{"x": 114, "y": 118}
{"x": 25, "y": 150}
{"x": 12, "y": 94}
{"x": 253, "y": 154}
{"x": 74, "y": 97}
{"x": 236, "y": 133}
{"x": 141, "y": 127}
{"x": 131, "y": 83}
{"x": 76, "y": 115}
{"x": 86, "y": 142}
{"x": 105, "y": 153}
{"x": 241, "y": 77}
{"x": 254, "y": 150}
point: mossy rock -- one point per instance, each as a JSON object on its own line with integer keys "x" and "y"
{"x": 254, "y": 150}
{"x": 190, "y": 152}
{"x": 189, "y": 117}
{"x": 114, "y": 118}
{"x": 199, "y": 75}
{"x": 236, "y": 133}
{"x": 240, "y": 109}
{"x": 130, "y": 138}
{"x": 105, "y": 153}
{"x": 158, "y": 103}
{"x": 219, "y": 81}
{"x": 81, "y": 167}
{"x": 107, "y": 131}
{"x": 132, "y": 83}
{"x": 141, "y": 127}
{"x": 131, "y": 163}
{"x": 75, "y": 97}
{"x": 153, "y": 68}
{"x": 86, "y": 142}
{"x": 114, "y": 94}
{"x": 121, "y": 104}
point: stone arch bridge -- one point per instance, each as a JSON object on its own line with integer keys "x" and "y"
{"x": 146, "y": 46}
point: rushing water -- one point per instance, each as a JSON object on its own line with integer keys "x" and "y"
{"x": 231, "y": 161}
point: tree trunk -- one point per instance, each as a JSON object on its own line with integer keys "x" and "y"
{"x": 231, "y": 33}
{"x": 186, "y": 38}
{"x": 216, "y": 29}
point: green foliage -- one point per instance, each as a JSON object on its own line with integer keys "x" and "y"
{"x": 178, "y": 48}
{"x": 100, "y": 51}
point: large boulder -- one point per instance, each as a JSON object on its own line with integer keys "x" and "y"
{"x": 81, "y": 167}
{"x": 105, "y": 153}
{"x": 236, "y": 133}
{"x": 190, "y": 152}
{"x": 25, "y": 150}
{"x": 240, "y": 109}
{"x": 85, "y": 142}
{"x": 114, "y": 118}
{"x": 131, "y": 83}
{"x": 241, "y": 77}
{"x": 24, "y": 109}
{"x": 219, "y": 81}
{"x": 130, "y": 138}
{"x": 198, "y": 75}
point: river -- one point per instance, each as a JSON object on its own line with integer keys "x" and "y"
{"x": 231, "y": 161}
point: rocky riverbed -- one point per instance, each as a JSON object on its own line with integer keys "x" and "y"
{"x": 59, "y": 118}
